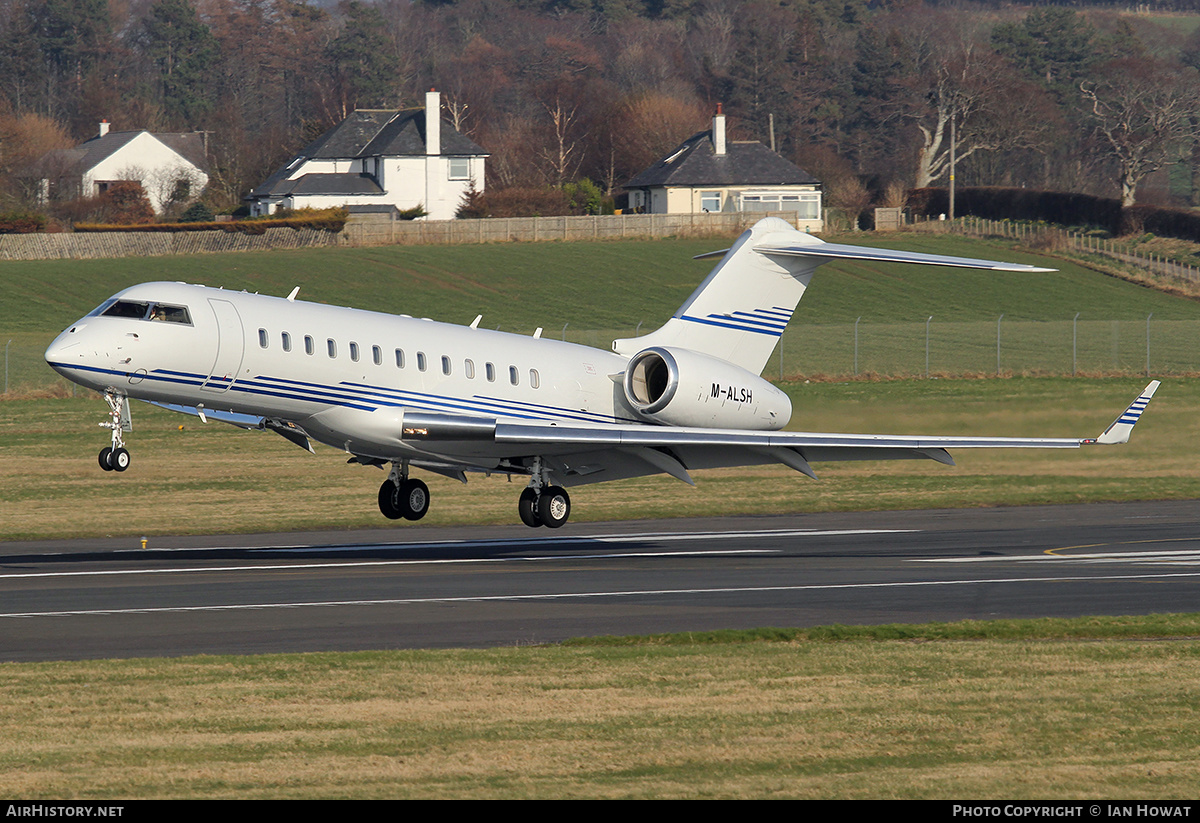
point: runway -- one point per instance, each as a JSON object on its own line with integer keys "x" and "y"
{"x": 501, "y": 586}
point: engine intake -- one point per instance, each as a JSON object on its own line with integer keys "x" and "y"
{"x": 680, "y": 387}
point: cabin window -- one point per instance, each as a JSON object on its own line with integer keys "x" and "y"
{"x": 332, "y": 347}
{"x": 490, "y": 370}
{"x": 287, "y": 341}
{"x": 399, "y": 358}
{"x": 377, "y": 355}
{"x": 445, "y": 364}
{"x": 535, "y": 379}
{"x": 354, "y": 352}
{"x": 469, "y": 369}
{"x": 421, "y": 361}
{"x": 262, "y": 338}
{"x": 310, "y": 347}
{"x": 514, "y": 376}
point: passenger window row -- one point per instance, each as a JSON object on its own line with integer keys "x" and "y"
{"x": 489, "y": 369}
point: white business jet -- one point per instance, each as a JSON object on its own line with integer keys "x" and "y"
{"x": 398, "y": 392}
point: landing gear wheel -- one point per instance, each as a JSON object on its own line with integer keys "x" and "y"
{"x": 387, "y": 501}
{"x": 412, "y": 499}
{"x": 554, "y": 506}
{"x": 119, "y": 460}
{"x": 528, "y": 509}
{"x": 106, "y": 458}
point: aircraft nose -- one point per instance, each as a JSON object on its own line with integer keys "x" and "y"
{"x": 68, "y": 354}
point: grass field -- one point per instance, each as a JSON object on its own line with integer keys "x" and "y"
{"x": 950, "y": 712}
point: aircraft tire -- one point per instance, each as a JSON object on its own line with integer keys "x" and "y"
{"x": 413, "y": 499}
{"x": 120, "y": 460}
{"x": 527, "y": 508}
{"x": 106, "y": 458}
{"x": 554, "y": 506}
{"x": 387, "y": 501}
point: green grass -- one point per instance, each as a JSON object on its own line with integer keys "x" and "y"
{"x": 1104, "y": 708}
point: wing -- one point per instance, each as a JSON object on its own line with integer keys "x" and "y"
{"x": 593, "y": 453}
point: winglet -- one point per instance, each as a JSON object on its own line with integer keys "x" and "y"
{"x": 1119, "y": 431}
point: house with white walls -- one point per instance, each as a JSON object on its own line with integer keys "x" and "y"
{"x": 171, "y": 167}
{"x": 380, "y": 160}
{"x": 709, "y": 173}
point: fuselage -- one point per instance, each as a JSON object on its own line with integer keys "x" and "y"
{"x": 288, "y": 359}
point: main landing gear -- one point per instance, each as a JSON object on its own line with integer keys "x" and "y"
{"x": 402, "y": 496}
{"x": 116, "y": 457}
{"x": 541, "y": 504}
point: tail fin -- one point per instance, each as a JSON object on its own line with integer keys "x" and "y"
{"x": 740, "y": 310}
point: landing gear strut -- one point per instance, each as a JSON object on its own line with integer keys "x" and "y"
{"x": 541, "y": 504}
{"x": 115, "y": 457}
{"x": 402, "y": 496}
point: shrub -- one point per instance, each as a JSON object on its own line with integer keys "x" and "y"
{"x": 22, "y": 222}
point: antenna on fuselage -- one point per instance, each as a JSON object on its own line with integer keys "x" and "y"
{"x": 537, "y": 334}
{"x": 475, "y": 322}
{"x": 292, "y": 296}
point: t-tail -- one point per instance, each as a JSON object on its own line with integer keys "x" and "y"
{"x": 741, "y": 309}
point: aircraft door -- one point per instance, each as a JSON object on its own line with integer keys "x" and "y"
{"x": 230, "y": 347}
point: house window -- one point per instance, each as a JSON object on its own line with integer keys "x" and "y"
{"x": 807, "y": 205}
{"x": 710, "y": 201}
{"x": 460, "y": 168}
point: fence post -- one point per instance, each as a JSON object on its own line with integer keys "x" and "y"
{"x": 1001, "y": 317}
{"x": 1074, "y": 343}
{"x": 1151, "y": 314}
{"x": 927, "y": 322}
{"x": 856, "y": 345}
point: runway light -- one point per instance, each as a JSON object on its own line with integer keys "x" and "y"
{"x": 144, "y": 541}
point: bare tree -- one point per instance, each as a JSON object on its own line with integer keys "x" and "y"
{"x": 1145, "y": 112}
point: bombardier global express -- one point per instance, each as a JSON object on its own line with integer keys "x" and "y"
{"x": 401, "y": 393}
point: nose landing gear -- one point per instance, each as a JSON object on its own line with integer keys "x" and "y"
{"x": 116, "y": 457}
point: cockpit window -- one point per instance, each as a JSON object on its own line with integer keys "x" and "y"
{"x": 143, "y": 310}
{"x": 170, "y": 314}
{"x": 127, "y": 308}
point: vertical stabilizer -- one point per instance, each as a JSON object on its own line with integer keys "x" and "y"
{"x": 740, "y": 310}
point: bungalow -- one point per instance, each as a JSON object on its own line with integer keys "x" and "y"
{"x": 172, "y": 168}
{"x": 380, "y": 160}
{"x": 708, "y": 173}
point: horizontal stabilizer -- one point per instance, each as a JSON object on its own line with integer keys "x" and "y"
{"x": 835, "y": 251}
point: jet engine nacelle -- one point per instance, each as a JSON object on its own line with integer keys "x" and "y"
{"x": 680, "y": 387}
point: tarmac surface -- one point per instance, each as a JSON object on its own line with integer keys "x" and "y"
{"x": 415, "y": 587}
